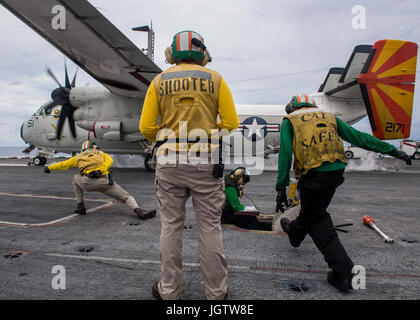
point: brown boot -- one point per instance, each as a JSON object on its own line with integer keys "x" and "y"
{"x": 80, "y": 209}
{"x": 155, "y": 291}
{"x": 144, "y": 215}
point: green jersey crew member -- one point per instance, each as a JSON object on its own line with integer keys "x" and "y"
{"x": 234, "y": 182}
{"x": 315, "y": 138}
{"x": 94, "y": 167}
{"x": 192, "y": 94}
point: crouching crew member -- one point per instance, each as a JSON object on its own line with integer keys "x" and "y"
{"x": 315, "y": 138}
{"x": 94, "y": 176}
{"x": 234, "y": 182}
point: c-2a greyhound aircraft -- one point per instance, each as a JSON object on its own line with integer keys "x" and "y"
{"x": 378, "y": 81}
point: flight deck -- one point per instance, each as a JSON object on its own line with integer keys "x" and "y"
{"x": 111, "y": 254}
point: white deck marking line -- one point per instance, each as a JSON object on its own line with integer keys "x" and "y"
{"x": 13, "y": 165}
{"x": 96, "y": 258}
{"x": 230, "y": 267}
{"x": 57, "y": 221}
{"x": 47, "y": 197}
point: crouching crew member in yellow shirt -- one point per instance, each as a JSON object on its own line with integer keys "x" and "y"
{"x": 94, "y": 176}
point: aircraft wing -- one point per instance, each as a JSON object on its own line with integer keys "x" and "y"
{"x": 91, "y": 41}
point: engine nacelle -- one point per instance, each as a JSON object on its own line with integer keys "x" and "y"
{"x": 106, "y": 130}
{"x": 83, "y": 96}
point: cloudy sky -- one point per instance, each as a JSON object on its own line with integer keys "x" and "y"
{"x": 267, "y": 50}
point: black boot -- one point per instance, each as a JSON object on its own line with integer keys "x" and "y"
{"x": 144, "y": 215}
{"x": 287, "y": 228}
{"x": 80, "y": 209}
{"x": 341, "y": 284}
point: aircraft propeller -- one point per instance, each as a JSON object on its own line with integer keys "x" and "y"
{"x": 61, "y": 96}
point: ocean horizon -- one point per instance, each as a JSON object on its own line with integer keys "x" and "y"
{"x": 16, "y": 151}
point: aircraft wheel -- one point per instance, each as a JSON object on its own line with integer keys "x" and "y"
{"x": 416, "y": 156}
{"x": 43, "y": 161}
{"x": 150, "y": 163}
{"x": 348, "y": 154}
{"x": 37, "y": 161}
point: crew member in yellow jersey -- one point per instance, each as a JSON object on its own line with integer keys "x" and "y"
{"x": 188, "y": 98}
{"x": 94, "y": 175}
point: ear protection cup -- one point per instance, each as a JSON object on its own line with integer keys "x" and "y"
{"x": 241, "y": 172}
{"x": 238, "y": 173}
{"x": 168, "y": 55}
{"x": 207, "y": 58}
{"x": 289, "y": 107}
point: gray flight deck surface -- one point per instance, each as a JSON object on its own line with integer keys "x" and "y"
{"x": 110, "y": 254}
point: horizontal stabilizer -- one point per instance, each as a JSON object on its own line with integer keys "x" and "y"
{"x": 341, "y": 82}
{"x": 356, "y": 63}
{"x": 331, "y": 80}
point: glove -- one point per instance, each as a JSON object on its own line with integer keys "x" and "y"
{"x": 46, "y": 170}
{"x": 280, "y": 200}
{"x": 403, "y": 156}
{"x": 95, "y": 174}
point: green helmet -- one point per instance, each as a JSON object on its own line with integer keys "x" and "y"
{"x": 184, "y": 46}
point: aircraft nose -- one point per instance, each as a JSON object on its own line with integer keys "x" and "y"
{"x": 21, "y": 131}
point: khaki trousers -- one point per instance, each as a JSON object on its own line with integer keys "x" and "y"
{"x": 83, "y": 183}
{"x": 175, "y": 183}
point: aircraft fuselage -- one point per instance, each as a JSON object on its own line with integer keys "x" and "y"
{"x": 113, "y": 121}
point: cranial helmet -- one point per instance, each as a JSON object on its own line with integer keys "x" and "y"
{"x": 88, "y": 144}
{"x": 187, "y": 45}
{"x": 241, "y": 172}
{"x": 299, "y": 101}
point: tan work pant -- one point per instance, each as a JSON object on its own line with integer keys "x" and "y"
{"x": 175, "y": 183}
{"x": 83, "y": 183}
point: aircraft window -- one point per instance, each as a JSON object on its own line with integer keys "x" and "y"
{"x": 40, "y": 110}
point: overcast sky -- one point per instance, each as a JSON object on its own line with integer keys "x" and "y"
{"x": 290, "y": 43}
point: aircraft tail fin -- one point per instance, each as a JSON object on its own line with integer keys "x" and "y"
{"x": 382, "y": 76}
{"x": 387, "y": 87}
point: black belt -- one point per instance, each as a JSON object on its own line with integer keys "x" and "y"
{"x": 87, "y": 175}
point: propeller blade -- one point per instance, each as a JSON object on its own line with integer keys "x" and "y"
{"x": 60, "y": 96}
{"x": 66, "y": 112}
{"x": 60, "y": 124}
{"x": 51, "y": 74}
{"x": 72, "y": 126}
{"x": 73, "y": 83}
{"x": 66, "y": 74}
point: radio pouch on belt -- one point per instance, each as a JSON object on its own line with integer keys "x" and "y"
{"x": 218, "y": 169}
{"x": 111, "y": 182}
{"x": 94, "y": 174}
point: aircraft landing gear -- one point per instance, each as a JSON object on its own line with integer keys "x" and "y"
{"x": 150, "y": 162}
{"x": 39, "y": 161}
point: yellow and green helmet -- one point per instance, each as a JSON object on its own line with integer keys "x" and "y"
{"x": 88, "y": 144}
{"x": 184, "y": 46}
{"x": 299, "y": 101}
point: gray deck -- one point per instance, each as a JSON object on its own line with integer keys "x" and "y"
{"x": 124, "y": 261}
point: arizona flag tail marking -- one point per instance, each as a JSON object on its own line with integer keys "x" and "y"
{"x": 387, "y": 84}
